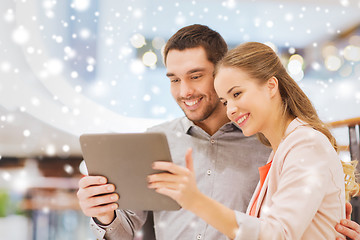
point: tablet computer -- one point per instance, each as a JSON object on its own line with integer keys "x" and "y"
{"x": 126, "y": 160}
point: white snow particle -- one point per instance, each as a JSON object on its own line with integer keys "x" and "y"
{"x": 9, "y": 15}
{"x": 147, "y": 97}
{"x": 80, "y": 5}
{"x": 269, "y": 24}
{"x": 35, "y": 101}
{"x": 54, "y": 66}
{"x": 90, "y": 68}
{"x": 67, "y": 167}
{"x": 85, "y": 33}
{"x": 5, "y": 66}
{"x": 20, "y": 35}
{"x": 50, "y": 150}
{"x": 74, "y": 74}
{"x": 26, "y": 133}
{"x": 78, "y": 89}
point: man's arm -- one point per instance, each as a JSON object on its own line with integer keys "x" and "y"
{"x": 347, "y": 227}
{"x": 97, "y": 200}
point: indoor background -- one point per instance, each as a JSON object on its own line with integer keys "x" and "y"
{"x": 85, "y": 66}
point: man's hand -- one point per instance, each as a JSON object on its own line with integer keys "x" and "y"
{"x": 97, "y": 198}
{"x": 347, "y": 227}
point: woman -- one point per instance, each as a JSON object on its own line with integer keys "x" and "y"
{"x": 301, "y": 193}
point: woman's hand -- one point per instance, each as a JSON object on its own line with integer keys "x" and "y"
{"x": 179, "y": 183}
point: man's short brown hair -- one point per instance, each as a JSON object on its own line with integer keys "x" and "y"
{"x": 198, "y": 36}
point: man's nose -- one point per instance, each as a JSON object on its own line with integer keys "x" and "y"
{"x": 186, "y": 89}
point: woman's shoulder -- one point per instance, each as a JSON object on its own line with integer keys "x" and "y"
{"x": 303, "y": 140}
{"x": 299, "y": 131}
{"x": 306, "y": 133}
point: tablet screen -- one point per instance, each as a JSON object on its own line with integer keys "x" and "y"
{"x": 126, "y": 159}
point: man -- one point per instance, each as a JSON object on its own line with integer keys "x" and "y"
{"x": 226, "y": 162}
{"x": 347, "y": 227}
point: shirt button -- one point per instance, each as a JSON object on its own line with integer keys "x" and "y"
{"x": 198, "y": 236}
{"x": 212, "y": 141}
{"x": 208, "y": 172}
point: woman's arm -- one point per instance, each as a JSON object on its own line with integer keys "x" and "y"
{"x": 180, "y": 184}
{"x": 299, "y": 185}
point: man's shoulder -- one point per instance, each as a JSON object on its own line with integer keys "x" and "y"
{"x": 172, "y": 125}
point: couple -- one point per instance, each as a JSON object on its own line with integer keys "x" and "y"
{"x": 301, "y": 192}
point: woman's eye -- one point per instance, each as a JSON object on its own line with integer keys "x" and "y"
{"x": 225, "y": 103}
{"x": 237, "y": 94}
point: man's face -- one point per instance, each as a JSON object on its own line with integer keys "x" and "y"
{"x": 192, "y": 82}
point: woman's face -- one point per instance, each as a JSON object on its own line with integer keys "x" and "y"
{"x": 247, "y": 100}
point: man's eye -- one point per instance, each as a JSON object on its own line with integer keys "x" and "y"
{"x": 196, "y": 77}
{"x": 174, "y": 80}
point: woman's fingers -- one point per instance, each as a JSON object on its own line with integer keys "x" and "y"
{"x": 170, "y": 167}
{"x": 189, "y": 160}
{"x": 164, "y": 177}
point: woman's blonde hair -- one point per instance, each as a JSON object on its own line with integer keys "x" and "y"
{"x": 260, "y": 62}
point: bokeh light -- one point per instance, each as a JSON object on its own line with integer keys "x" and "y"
{"x": 352, "y": 53}
{"x": 158, "y": 42}
{"x": 333, "y": 63}
{"x": 149, "y": 59}
{"x": 137, "y": 40}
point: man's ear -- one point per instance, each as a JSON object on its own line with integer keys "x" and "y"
{"x": 273, "y": 86}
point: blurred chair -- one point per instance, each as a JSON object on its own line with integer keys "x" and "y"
{"x": 353, "y": 125}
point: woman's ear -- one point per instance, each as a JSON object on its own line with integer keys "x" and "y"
{"x": 273, "y": 86}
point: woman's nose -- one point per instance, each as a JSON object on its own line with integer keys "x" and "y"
{"x": 231, "y": 110}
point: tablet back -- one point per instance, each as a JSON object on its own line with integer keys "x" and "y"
{"x": 126, "y": 159}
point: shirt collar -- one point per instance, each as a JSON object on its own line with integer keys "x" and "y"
{"x": 189, "y": 125}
